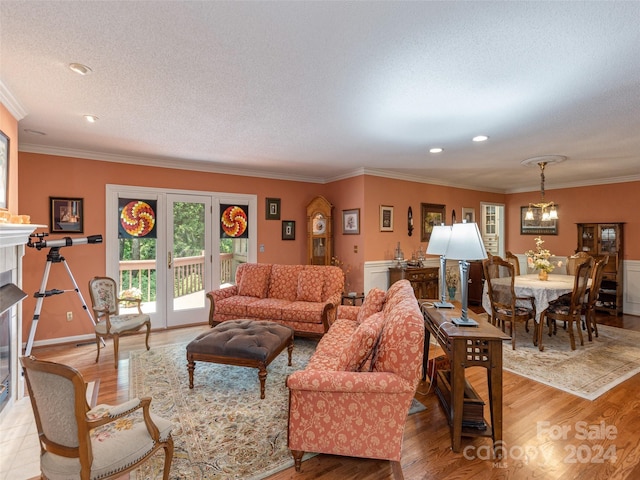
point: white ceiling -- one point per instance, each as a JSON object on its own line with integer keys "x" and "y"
{"x": 321, "y": 90}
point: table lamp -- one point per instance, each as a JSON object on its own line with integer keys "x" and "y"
{"x": 438, "y": 243}
{"x": 465, "y": 244}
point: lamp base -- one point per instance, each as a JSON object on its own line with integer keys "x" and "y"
{"x": 443, "y": 304}
{"x": 464, "y": 322}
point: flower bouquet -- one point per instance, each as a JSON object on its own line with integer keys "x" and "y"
{"x": 539, "y": 259}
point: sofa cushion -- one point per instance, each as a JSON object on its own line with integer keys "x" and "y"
{"x": 255, "y": 280}
{"x": 267, "y": 308}
{"x": 284, "y": 281}
{"x": 372, "y": 304}
{"x": 305, "y": 312}
{"x": 327, "y": 354}
{"x": 235, "y": 306}
{"x": 310, "y": 286}
{"x": 359, "y": 346}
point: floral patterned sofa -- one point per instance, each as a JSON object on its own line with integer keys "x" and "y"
{"x": 303, "y": 297}
{"x": 353, "y": 397}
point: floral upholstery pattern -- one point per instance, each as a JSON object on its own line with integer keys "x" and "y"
{"x": 359, "y": 413}
{"x": 255, "y": 281}
{"x": 308, "y": 281}
{"x": 372, "y": 303}
{"x": 359, "y": 347}
{"x": 303, "y": 297}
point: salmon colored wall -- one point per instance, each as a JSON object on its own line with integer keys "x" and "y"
{"x": 9, "y": 127}
{"x": 599, "y": 204}
{"x": 42, "y": 176}
{"x": 347, "y": 194}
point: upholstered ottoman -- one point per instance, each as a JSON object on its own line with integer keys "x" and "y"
{"x": 244, "y": 343}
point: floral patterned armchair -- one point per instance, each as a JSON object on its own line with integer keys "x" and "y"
{"x": 78, "y": 442}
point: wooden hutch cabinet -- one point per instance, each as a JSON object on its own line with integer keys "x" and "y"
{"x": 424, "y": 280}
{"x": 599, "y": 239}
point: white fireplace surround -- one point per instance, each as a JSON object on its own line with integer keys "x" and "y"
{"x": 13, "y": 238}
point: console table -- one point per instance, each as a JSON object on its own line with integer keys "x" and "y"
{"x": 424, "y": 280}
{"x": 468, "y": 347}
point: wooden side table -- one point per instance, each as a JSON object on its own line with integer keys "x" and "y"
{"x": 468, "y": 347}
{"x": 352, "y": 299}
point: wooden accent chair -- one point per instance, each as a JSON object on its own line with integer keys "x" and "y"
{"x": 574, "y": 261}
{"x": 589, "y": 307}
{"x": 506, "y": 307}
{"x": 513, "y": 260}
{"x": 109, "y": 322}
{"x": 77, "y": 442}
{"x": 569, "y": 312}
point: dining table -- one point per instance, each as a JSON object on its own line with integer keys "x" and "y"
{"x": 543, "y": 291}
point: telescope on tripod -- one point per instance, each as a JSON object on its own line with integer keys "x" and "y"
{"x": 37, "y": 241}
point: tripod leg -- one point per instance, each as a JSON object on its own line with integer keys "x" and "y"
{"x": 36, "y": 314}
{"x": 84, "y": 305}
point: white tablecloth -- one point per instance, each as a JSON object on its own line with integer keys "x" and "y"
{"x": 543, "y": 291}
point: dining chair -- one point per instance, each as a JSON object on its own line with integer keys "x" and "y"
{"x": 591, "y": 297}
{"x": 513, "y": 260}
{"x": 79, "y": 442}
{"x": 575, "y": 260}
{"x": 109, "y": 322}
{"x": 567, "y": 311}
{"x": 506, "y": 307}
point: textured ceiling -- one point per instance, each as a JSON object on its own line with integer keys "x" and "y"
{"x": 320, "y": 90}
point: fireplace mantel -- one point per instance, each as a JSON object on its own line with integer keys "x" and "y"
{"x": 13, "y": 234}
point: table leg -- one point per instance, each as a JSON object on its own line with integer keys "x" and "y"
{"x": 494, "y": 380}
{"x": 425, "y": 356}
{"x": 457, "y": 392}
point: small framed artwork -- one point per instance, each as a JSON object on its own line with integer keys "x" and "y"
{"x": 66, "y": 215}
{"x": 469, "y": 214}
{"x": 272, "y": 211}
{"x": 431, "y": 214}
{"x": 4, "y": 170}
{"x": 351, "y": 222}
{"x": 288, "y": 230}
{"x": 537, "y": 226}
{"x": 386, "y": 218}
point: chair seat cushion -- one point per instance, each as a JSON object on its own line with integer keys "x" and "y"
{"x": 122, "y": 323}
{"x": 559, "y": 309}
{"x": 115, "y": 446}
{"x": 520, "y": 311}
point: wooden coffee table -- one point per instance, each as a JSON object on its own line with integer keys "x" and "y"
{"x": 243, "y": 343}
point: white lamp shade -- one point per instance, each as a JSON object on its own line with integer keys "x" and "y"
{"x": 465, "y": 243}
{"x": 439, "y": 240}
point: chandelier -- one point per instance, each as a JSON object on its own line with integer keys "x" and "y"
{"x": 547, "y": 209}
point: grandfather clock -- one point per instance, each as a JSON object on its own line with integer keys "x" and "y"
{"x": 320, "y": 233}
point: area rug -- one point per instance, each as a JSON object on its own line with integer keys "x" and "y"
{"x": 222, "y": 428}
{"x": 588, "y": 371}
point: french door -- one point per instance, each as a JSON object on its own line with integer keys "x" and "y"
{"x": 173, "y": 266}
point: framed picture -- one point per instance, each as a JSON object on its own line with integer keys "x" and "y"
{"x": 4, "y": 170}
{"x": 386, "y": 218}
{"x": 469, "y": 214}
{"x": 288, "y": 230}
{"x": 431, "y": 214}
{"x": 537, "y": 226}
{"x": 66, "y": 215}
{"x": 351, "y": 222}
{"x": 272, "y": 209}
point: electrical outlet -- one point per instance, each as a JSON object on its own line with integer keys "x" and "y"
{"x": 69, "y": 316}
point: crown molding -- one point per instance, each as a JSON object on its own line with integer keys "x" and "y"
{"x": 174, "y": 163}
{"x": 587, "y": 183}
{"x": 11, "y": 103}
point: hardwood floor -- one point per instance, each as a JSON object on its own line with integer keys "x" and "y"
{"x": 543, "y": 427}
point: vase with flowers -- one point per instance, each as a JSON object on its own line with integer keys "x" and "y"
{"x": 539, "y": 259}
{"x": 451, "y": 278}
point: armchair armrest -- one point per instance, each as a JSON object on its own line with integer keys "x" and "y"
{"x": 103, "y": 414}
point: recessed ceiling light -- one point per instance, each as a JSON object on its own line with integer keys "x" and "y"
{"x": 80, "y": 69}
{"x": 34, "y": 132}
{"x": 91, "y": 118}
{"x": 436, "y": 150}
{"x": 480, "y": 138}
